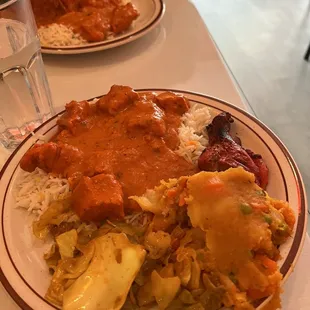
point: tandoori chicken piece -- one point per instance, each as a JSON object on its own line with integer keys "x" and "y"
{"x": 262, "y": 167}
{"x": 225, "y": 151}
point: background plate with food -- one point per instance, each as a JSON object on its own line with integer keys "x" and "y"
{"x": 160, "y": 237}
{"x": 83, "y": 26}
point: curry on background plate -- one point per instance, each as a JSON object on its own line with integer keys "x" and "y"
{"x": 84, "y": 20}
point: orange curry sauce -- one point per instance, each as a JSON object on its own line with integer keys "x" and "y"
{"x": 94, "y": 20}
{"x": 118, "y": 147}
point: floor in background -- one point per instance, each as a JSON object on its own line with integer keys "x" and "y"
{"x": 263, "y": 43}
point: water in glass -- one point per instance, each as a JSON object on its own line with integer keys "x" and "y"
{"x": 25, "y": 100}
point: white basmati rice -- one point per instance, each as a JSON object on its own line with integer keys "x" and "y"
{"x": 59, "y": 35}
{"x": 36, "y": 190}
{"x": 192, "y": 134}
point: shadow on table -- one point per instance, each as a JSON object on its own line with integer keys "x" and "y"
{"x": 107, "y": 57}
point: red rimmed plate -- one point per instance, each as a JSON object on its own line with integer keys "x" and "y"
{"x": 24, "y": 273}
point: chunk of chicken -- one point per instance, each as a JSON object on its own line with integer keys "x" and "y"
{"x": 225, "y": 151}
{"x": 171, "y": 102}
{"x": 76, "y": 112}
{"x": 117, "y": 99}
{"x": 60, "y": 159}
{"x": 123, "y": 17}
{"x": 98, "y": 198}
{"x": 148, "y": 120}
{"x": 262, "y": 167}
{"x": 90, "y": 25}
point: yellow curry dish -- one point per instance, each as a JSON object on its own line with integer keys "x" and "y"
{"x": 206, "y": 241}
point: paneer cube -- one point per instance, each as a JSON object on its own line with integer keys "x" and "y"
{"x": 98, "y": 198}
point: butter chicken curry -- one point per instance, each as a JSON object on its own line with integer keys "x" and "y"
{"x": 94, "y": 20}
{"x": 118, "y": 147}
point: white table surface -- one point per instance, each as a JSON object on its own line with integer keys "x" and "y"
{"x": 179, "y": 54}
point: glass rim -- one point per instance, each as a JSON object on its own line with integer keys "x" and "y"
{"x": 6, "y": 4}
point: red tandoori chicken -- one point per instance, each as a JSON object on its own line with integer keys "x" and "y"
{"x": 225, "y": 151}
{"x": 94, "y": 20}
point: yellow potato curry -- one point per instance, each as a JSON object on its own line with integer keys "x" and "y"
{"x": 207, "y": 241}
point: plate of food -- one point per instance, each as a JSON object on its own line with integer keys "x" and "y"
{"x": 83, "y": 26}
{"x": 150, "y": 199}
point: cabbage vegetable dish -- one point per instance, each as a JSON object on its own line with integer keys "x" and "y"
{"x": 206, "y": 241}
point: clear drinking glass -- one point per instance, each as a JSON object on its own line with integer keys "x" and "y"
{"x": 25, "y": 99}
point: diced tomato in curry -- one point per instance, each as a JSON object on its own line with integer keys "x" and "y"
{"x": 118, "y": 147}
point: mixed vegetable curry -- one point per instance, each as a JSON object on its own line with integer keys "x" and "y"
{"x": 206, "y": 241}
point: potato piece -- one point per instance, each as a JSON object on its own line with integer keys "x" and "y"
{"x": 164, "y": 289}
{"x": 157, "y": 243}
{"x": 145, "y": 294}
{"x": 183, "y": 270}
{"x": 67, "y": 243}
{"x": 195, "y": 276}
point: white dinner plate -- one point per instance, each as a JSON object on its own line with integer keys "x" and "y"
{"x": 23, "y": 271}
{"x": 151, "y": 13}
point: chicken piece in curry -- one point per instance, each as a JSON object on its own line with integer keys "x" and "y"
{"x": 94, "y": 20}
{"x": 120, "y": 146}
